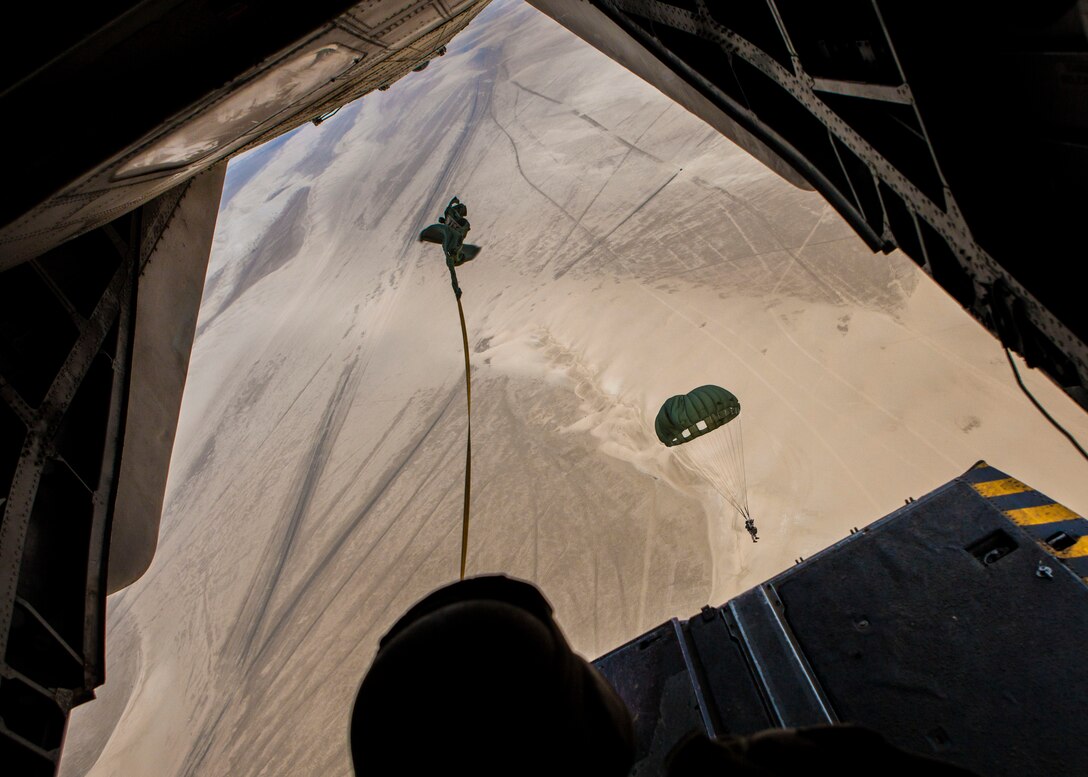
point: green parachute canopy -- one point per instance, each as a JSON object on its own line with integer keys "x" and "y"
{"x": 685, "y": 417}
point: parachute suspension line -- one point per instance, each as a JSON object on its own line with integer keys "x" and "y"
{"x": 736, "y": 452}
{"x": 725, "y": 463}
{"x": 709, "y": 457}
{"x": 718, "y": 458}
{"x": 468, "y": 439}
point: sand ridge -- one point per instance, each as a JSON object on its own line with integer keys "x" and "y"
{"x": 630, "y": 253}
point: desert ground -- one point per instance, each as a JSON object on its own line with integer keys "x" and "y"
{"x": 629, "y": 253}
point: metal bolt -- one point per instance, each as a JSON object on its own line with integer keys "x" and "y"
{"x": 1044, "y": 572}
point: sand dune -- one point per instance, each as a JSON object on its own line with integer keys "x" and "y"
{"x": 630, "y": 253}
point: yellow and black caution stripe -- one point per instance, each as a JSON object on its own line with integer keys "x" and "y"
{"x": 1059, "y": 531}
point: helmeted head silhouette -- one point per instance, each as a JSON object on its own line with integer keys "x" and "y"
{"x": 478, "y": 676}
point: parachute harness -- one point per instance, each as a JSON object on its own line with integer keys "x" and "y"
{"x": 450, "y": 233}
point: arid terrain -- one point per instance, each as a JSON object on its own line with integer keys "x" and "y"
{"x": 629, "y": 253}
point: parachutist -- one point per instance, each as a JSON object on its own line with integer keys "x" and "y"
{"x": 450, "y": 233}
{"x": 703, "y": 427}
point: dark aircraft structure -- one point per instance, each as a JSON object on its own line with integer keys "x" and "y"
{"x": 957, "y": 132}
{"x": 123, "y": 117}
{"x": 955, "y": 627}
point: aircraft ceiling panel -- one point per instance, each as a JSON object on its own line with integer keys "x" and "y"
{"x": 72, "y": 180}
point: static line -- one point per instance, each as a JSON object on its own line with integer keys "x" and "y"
{"x": 450, "y": 233}
{"x": 468, "y": 440}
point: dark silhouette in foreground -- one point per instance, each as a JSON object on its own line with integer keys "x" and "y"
{"x": 477, "y": 678}
{"x": 839, "y": 751}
